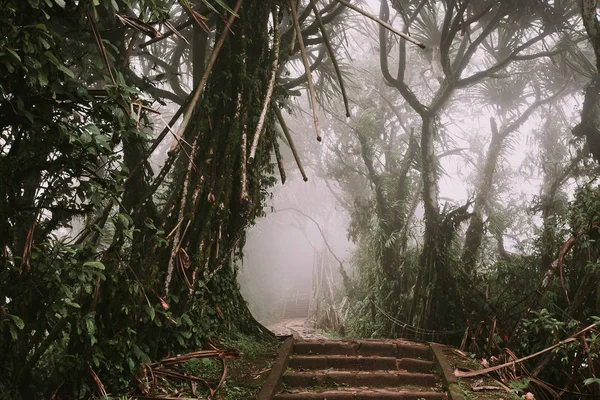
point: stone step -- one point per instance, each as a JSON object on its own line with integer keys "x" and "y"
{"x": 363, "y": 394}
{"x": 358, "y": 378}
{"x": 360, "y": 363}
{"x": 388, "y": 348}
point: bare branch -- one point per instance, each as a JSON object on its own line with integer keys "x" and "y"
{"x": 382, "y": 23}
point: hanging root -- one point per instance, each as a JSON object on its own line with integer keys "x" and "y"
{"x": 311, "y": 86}
{"x": 288, "y": 136}
{"x": 332, "y": 56}
{"x": 279, "y": 160}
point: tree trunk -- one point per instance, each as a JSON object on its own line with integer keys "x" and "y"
{"x": 474, "y": 235}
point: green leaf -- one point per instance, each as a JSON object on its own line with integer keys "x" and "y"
{"x": 58, "y": 64}
{"x": 225, "y": 6}
{"x": 186, "y": 334}
{"x": 131, "y": 364}
{"x": 14, "y": 53}
{"x": 95, "y": 264}
{"x": 140, "y": 354}
{"x": 92, "y": 129}
{"x": 44, "y": 43}
{"x": 124, "y": 220}
{"x": 151, "y": 312}
{"x": 187, "y": 319}
{"x": 18, "y": 321}
{"x": 150, "y": 224}
{"x": 72, "y": 304}
{"x": 42, "y": 78}
{"x": 90, "y": 326}
{"x": 589, "y": 381}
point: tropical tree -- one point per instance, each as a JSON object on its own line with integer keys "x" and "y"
{"x": 510, "y": 33}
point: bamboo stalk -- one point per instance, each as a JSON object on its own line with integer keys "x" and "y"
{"x": 311, "y": 86}
{"x": 382, "y": 23}
{"x": 288, "y": 136}
{"x": 336, "y": 66}
{"x": 211, "y": 62}
{"x": 269, "y": 95}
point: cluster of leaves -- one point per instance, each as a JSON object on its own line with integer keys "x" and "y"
{"x": 60, "y": 165}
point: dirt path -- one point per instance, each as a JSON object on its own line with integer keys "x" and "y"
{"x": 296, "y": 326}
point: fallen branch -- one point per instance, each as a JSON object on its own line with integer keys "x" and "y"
{"x": 97, "y": 380}
{"x": 466, "y": 374}
{"x": 197, "y": 354}
{"x": 279, "y": 160}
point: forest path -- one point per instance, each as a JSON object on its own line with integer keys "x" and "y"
{"x": 297, "y": 327}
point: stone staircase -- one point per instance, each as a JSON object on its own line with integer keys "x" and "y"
{"x": 297, "y": 306}
{"x": 359, "y": 370}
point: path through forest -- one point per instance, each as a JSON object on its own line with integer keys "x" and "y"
{"x": 295, "y": 326}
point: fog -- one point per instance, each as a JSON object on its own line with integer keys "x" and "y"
{"x": 501, "y": 145}
{"x": 303, "y": 222}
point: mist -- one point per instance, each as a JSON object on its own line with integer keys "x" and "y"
{"x": 469, "y": 162}
{"x": 179, "y": 174}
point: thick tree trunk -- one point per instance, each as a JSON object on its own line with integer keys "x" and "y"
{"x": 429, "y": 260}
{"x": 207, "y": 185}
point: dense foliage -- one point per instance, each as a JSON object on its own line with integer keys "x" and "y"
{"x": 110, "y": 257}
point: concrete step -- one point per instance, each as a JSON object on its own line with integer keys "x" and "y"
{"x": 388, "y": 348}
{"x": 361, "y": 369}
{"x": 363, "y": 394}
{"x": 358, "y": 378}
{"x": 360, "y": 363}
